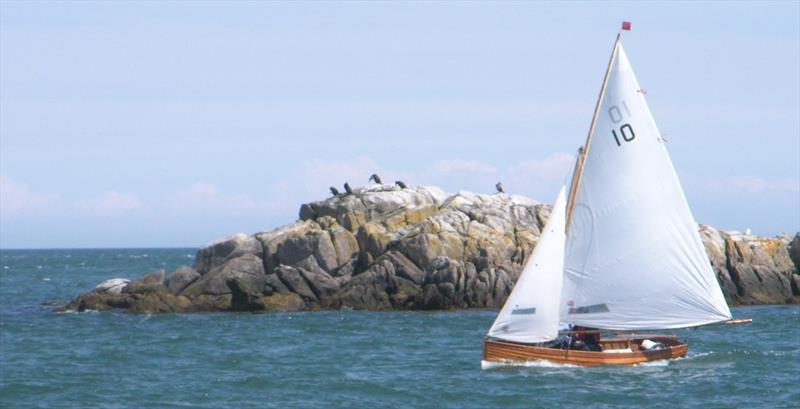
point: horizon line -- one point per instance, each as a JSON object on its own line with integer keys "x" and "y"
{"x": 100, "y": 248}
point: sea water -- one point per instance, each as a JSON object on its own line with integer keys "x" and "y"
{"x": 337, "y": 358}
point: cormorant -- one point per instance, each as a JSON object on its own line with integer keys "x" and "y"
{"x": 348, "y": 189}
{"x": 499, "y": 187}
{"x": 401, "y": 184}
{"x": 376, "y": 178}
{"x": 334, "y": 191}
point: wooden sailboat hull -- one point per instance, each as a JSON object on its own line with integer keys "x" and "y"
{"x": 499, "y": 351}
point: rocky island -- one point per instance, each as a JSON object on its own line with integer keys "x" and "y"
{"x": 385, "y": 247}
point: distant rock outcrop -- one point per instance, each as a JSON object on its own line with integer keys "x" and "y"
{"x": 386, "y": 247}
{"x": 751, "y": 269}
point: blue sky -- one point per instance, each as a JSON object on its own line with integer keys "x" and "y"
{"x": 172, "y": 124}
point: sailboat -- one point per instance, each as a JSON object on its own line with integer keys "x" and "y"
{"x": 620, "y": 254}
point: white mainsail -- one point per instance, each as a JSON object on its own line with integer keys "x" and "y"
{"x": 531, "y": 313}
{"x": 634, "y": 259}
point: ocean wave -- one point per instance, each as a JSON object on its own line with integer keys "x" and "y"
{"x": 486, "y": 365}
{"x": 660, "y": 362}
{"x": 87, "y": 311}
{"x": 698, "y": 355}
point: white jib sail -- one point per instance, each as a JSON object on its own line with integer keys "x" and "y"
{"x": 531, "y": 313}
{"x": 634, "y": 259}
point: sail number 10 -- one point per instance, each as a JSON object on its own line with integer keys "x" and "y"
{"x": 626, "y": 130}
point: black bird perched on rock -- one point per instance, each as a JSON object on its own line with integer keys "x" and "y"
{"x": 348, "y": 189}
{"x": 499, "y": 187}
{"x": 401, "y": 184}
{"x": 376, "y": 178}
{"x": 334, "y": 191}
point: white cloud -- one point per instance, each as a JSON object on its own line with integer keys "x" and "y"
{"x": 754, "y": 184}
{"x": 554, "y": 167}
{"x": 17, "y": 198}
{"x": 110, "y": 204}
{"x": 540, "y": 179}
{"x": 280, "y": 200}
{"x": 204, "y": 196}
{"x": 744, "y": 185}
{"x": 463, "y": 166}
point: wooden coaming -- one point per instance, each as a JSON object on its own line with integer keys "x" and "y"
{"x": 495, "y": 350}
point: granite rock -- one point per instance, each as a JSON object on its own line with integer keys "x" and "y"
{"x": 383, "y": 247}
{"x": 112, "y": 286}
{"x": 181, "y": 278}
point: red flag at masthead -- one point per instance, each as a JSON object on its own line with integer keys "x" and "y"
{"x": 626, "y": 25}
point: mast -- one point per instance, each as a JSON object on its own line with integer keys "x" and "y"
{"x": 618, "y": 274}
{"x": 578, "y": 171}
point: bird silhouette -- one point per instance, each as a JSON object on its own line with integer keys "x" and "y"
{"x": 348, "y": 189}
{"x": 376, "y": 178}
{"x": 499, "y": 187}
{"x": 401, "y": 184}
{"x": 334, "y": 191}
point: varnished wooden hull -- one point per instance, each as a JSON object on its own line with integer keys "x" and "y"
{"x": 498, "y": 351}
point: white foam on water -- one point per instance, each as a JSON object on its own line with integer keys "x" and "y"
{"x": 697, "y": 355}
{"x": 77, "y": 312}
{"x": 665, "y": 362}
{"x": 486, "y": 365}
{"x": 660, "y": 362}
{"x": 46, "y": 279}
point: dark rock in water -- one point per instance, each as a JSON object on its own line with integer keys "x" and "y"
{"x": 99, "y": 302}
{"x": 228, "y": 248}
{"x": 249, "y": 268}
{"x": 368, "y": 290}
{"x": 796, "y": 286}
{"x": 243, "y": 297}
{"x": 404, "y": 268}
{"x": 319, "y": 281}
{"x": 163, "y": 302}
{"x": 794, "y": 252}
{"x": 275, "y": 285}
{"x": 147, "y": 302}
{"x": 206, "y": 302}
{"x": 281, "y": 302}
{"x": 181, "y": 278}
{"x": 295, "y": 281}
{"x": 150, "y": 283}
{"x": 383, "y": 247}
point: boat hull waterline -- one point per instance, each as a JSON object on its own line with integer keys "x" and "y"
{"x": 499, "y": 351}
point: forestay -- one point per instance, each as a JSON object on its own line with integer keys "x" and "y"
{"x": 531, "y": 313}
{"x": 634, "y": 259}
